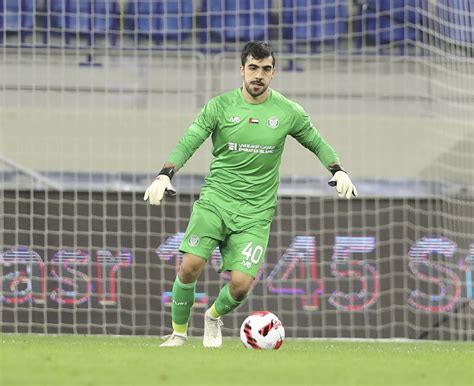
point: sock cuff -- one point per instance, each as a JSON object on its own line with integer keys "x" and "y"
{"x": 184, "y": 285}
{"x": 180, "y": 329}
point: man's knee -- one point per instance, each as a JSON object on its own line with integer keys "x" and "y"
{"x": 239, "y": 287}
{"x": 190, "y": 268}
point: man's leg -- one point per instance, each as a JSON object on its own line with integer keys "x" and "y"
{"x": 242, "y": 254}
{"x": 232, "y": 295}
{"x": 183, "y": 298}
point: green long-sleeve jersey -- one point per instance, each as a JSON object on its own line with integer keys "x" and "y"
{"x": 248, "y": 141}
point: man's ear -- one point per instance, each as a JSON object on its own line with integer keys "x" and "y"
{"x": 242, "y": 70}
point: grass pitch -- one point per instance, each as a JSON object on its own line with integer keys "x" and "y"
{"x": 85, "y": 360}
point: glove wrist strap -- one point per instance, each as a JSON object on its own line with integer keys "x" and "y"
{"x": 336, "y": 168}
{"x": 167, "y": 172}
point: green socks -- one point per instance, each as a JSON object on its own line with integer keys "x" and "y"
{"x": 183, "y": 300}
{"x": 224, "y": 303}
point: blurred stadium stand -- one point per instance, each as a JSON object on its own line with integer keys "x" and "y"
{"x": 17, "y": 18}
{"x": 313, "y": 22}
{"x": 382, "y": 22}
{"x": 159, "y": 20}
{"x": 234, "y": 20}
{"x": 304, "y": 25}
{"x": 71, "y": 19}
{"x": 456, "y": 24}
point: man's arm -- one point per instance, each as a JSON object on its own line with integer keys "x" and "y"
{"x": 194, "y": 137}
{"x": 309, "y": 137}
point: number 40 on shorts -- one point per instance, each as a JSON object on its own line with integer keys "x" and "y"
{"x": 252, "y": 254}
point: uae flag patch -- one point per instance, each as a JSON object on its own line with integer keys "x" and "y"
{"x": 253, "y": 120}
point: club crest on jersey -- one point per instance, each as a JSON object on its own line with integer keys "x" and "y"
{"x": 193, "y": 240}
{"x": 234, "y": 119}
{"x": 273, "y": 122}
{"x": 254, "y": 121}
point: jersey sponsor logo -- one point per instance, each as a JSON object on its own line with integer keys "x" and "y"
{"x": 249, "y": 148}
{"x": 273, "y": 122}
{"x": 193, "y": 240}
{"x": 234, "y": 119}
{"x": 254, "y": 121}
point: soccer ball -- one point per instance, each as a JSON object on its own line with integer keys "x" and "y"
{"x": 262, "y": 330}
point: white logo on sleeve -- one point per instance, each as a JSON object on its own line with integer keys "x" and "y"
{"x": 193, "y": 240}
{"x": 273, "y": 122}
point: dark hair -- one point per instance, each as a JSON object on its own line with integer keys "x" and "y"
{"x": 258, "y": 50}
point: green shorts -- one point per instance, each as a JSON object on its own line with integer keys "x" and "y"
{"x": 242, "y": 241}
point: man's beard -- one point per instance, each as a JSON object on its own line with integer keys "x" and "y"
{"x": 249, "y": 88}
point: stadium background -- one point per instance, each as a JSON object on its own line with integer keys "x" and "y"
{"x": 91, "y": 106}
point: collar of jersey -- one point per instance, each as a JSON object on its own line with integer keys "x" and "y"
{"x": 270, "y": 93}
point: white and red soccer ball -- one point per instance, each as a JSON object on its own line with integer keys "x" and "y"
{"x": 262, "y": 330}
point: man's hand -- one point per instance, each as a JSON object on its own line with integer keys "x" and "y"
{"x": 157, "y": 189}
{"x": 344, "y": 186}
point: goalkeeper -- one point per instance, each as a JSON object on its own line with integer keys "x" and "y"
{"x": 248, "y": 126}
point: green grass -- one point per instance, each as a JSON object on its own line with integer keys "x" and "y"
{"x": 85, "y": 360}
